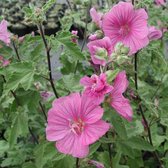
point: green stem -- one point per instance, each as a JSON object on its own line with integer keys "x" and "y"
{"x": 16, "y": 51}
{"x": 43, "y": 111}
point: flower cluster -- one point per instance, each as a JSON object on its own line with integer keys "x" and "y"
{"x": 75, "y": 121}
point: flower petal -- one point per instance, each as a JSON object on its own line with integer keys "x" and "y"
{"x": 120, "y": 83}
{"x": 93, "y": 132}
{"x": 122, "y": 106}
{"x": 71, "y": 144}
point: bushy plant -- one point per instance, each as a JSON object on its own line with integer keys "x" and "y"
{"x": 108, "y": 105}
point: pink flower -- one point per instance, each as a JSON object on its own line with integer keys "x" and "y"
{"x": 154, "y": 34}
{"x": 4, "y": 34}
{"x": 96, "y": 87}
{"x": 97, "y": 164}
{"x": 74, "y": 39}
{"x": 124, "y": 24}
{"x": 93, "y": 37}
{"x": 100, "y": 50}
{"x": 160, "y": 2}
{"x": 96, "y": 17}
{"x": 21, "y": 39}
{"x": 46, "y": 95}
{"x": 4, "y": 62}
{"x": 118, "y": 101}
{"x": 74, "y": 122}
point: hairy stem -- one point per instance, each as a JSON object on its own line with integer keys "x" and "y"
{"x": 16, "y": 51}
{"x": 47, "y": 49}
{"x": 43, "y": 110}
{"x": 136, "y": 71}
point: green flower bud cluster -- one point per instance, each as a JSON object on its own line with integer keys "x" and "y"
{"x": 120, "y": 54}
{"x": 101, "y": 54}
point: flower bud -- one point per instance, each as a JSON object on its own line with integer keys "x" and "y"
{"x": 101, "y": 53}
{"x": 99, "y": 34}
{"x": 120, "y": 48}
{"x": 111, "y": 74}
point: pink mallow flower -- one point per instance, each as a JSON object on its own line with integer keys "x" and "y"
{"x": 96, "y": 17}
{"x": 74, "y": 39}
{"x": 4, "y": 34}
{"x": 154, "y": 34}
{"x": 96, "y": 87}
{"x": 124, "y": 24}
{"x": 100, "y": 50}
{"x": 160, "y": 2}
{"x": 118, "y": 101}
{"x": 74, "y": 122}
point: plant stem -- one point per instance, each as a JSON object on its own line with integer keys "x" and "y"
{"x": 110, "y": 153}
{"x": 47, "y": 49}
{"x": 77, "y": 163}
{"x": 42, "y": 109}
{"x": 136, "y": 70}
{"x": 34, "y": 137}
{"x": 16, "y": 51}
{"x": 141, "y": 110}
{"x": 133, "y": 2}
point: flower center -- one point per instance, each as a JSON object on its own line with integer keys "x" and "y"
{"x": 124, "y": 30}
{"x": 77, "y": 126}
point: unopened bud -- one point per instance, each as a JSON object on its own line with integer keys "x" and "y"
{"x": 99, "y": 34}
{"x": 120, "y": 48}
{"x": 101, "y": 53}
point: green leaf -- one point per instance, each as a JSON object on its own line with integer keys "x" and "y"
{"x": 64, "y": 38}
{"x": 134, "y": 128}
{"x": 48, "y": 5}
{"x": 22, "y": 74}
{"x": 29, "y": 165}
{"x": 94, "y": 147}
{"x": 39, "y": 155}
{"x": 111, "y": 74}
{"x": 4, "y": 146}
{"x": 106, "y": 140}
{"x": 71, "y": 82}
{"x": 138, "y": 143}
{"x": 19, "y": 126}
{"x": 104, "y": 158}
